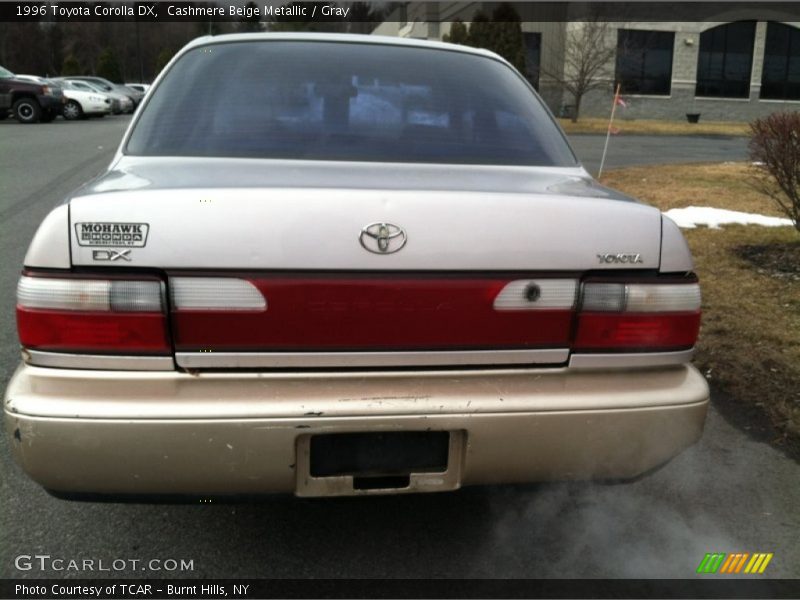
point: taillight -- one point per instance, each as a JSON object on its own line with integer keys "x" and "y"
{"x": 81, "y": 314}
{"x": 643, "y": 317}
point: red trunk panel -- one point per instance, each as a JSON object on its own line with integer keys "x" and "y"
{"x": 388, "y": 313}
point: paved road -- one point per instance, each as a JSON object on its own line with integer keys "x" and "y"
{"x": 728, "y": 493}
{"x": 628, "y": 150}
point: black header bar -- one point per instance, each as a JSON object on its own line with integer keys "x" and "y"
{"x": 266, "y": 11}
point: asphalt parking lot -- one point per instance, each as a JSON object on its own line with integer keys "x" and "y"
{"x": 726, "y": 494}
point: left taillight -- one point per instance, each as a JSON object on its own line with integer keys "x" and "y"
{"x": 115, "y": 315}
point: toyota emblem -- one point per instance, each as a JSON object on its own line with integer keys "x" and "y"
{"x": 382, "y": 238}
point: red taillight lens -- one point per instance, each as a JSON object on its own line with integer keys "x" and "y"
{"x": 76, "y": 314}
{"x": 92, "y": 332}
{"x": 638, "y": 317}
{"x": 599, "y": 331}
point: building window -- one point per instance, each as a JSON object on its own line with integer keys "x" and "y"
{"x": 725, "y": 60}
{"x": 780, "y": 79}
{"x": 644, "y": 61}
{"x": 533, "y": 47}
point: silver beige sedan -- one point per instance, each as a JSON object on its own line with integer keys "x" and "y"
{"x": 345, "y": 265}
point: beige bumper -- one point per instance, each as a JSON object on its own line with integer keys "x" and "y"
{"x": 246, "y": 433}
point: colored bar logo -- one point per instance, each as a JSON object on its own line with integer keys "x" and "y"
{"x": 735, "y": 563}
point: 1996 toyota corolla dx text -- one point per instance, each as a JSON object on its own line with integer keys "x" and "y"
{"x": 336, "y": 265}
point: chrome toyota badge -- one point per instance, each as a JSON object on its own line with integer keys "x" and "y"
{"x": 382, "y": 238}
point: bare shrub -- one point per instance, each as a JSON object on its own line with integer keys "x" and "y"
{"x": 588, "y": 61}
{"x": 775, "y": 151}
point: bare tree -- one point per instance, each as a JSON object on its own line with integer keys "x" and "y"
{"x": 589, "y": 58}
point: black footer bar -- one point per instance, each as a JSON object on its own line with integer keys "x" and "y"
{"x": 74, "y": 589}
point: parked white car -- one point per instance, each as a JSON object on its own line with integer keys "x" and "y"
{"x": 119, "y": 102}
{"x": 82, "y": 103}
{"x": 107, "y": 86}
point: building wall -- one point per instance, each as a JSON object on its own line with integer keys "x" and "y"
{"x": 554, "y": 36}
{"x": 551, "y": 62}
{"x": 682, "y": 98}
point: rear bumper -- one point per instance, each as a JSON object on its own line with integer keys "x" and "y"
{"x": 246, "y": 433}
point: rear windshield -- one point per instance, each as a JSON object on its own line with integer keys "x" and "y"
{"x": 345, "y": 101}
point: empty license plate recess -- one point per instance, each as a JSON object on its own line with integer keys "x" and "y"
{"x": 378, "y": 462}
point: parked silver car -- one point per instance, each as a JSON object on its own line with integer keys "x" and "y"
{"x": 139, "y": 87}
{"x": 339, "y": 264}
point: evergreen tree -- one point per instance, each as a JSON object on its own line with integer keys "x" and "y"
{"x": 108, "y": 66}
{"x": 459, "y": 34}
{"x": 507, "y": 39}
{"x": 71, "y": 66}
{"x": 480, "y": 31}
{"x": 502, "y": 34}
{"x": 251, "y": 23}
{"x": 163, "y": 58}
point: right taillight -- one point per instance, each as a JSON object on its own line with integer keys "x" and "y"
{"x": 73, "y": 313}
{"x": 638, "y": 317}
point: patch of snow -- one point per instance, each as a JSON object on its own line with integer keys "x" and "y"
{"x": 691, "y": 217}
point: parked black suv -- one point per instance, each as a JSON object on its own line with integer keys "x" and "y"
{"x": 28, "y": 102}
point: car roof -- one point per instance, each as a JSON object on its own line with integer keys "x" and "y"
{"x": 352, "y": 38}
{"x": 92, "y": 78}
{"x": 80, "y": 80}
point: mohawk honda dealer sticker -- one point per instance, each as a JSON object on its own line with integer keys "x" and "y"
{"x": 133, "y": 235}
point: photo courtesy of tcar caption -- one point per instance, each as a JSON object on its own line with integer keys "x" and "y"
{"x": 211, "y": 590}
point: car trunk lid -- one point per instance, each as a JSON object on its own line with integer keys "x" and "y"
{"x": 285, "y": 277}
{"x": 319, "y": 229}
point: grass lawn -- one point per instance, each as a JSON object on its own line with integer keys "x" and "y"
{"x": 653, "y": 127}
{"x": 749, "y": 345}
